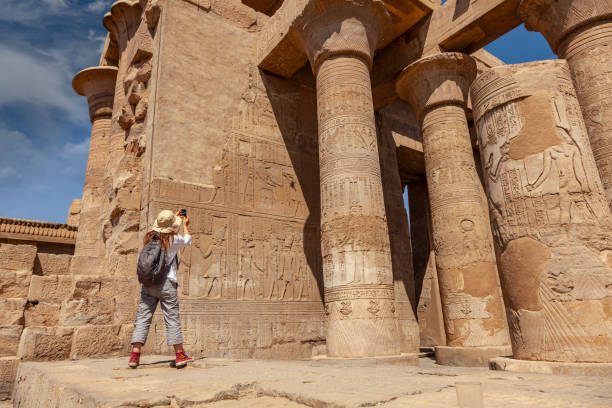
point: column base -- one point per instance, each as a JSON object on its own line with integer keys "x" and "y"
{"x": 469, "y": 356}
{"x": 550, "y": 367}
{"x": 404, "y": 359}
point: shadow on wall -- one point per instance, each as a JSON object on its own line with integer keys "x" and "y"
{"x": 294, "y": 103}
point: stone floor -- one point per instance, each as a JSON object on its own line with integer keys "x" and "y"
{"x": 217, "y": 383}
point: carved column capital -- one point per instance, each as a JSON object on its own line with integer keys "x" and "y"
{"x": 98, "y": 85}
{"x": 557, "y": 19}
{"x": 123, "y": 20}
{"x": 441, "y": 79}
{"x": 343, "y": 27}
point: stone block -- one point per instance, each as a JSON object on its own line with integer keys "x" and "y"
{"x": 235, "y": 11}
{"x": 95, "y": 341}
{"x": 125, "y": 310}
{"x": 52, "y": 264}
{"x": 87, "y": 265}
{"x": 100, "y": 286}
{"x": 11, "y": 312}
{"x": 8, "y": 372}
{"x": 85, "y": 311}
{"x": 17, "y": 257}
{"x": 41, "y": 314}
{"x": 9, "y": 340}
{"x": 45, "y": 343}
{"x": 51, "y": 289}
{"x": 469, "y": 356}
{"x": 550, "y": 367}
{"x": 14, "y": 284}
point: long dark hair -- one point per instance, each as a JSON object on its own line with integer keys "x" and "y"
{"x": 163, "y": 238}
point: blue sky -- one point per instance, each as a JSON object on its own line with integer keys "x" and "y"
{"x": 44, "y": 125}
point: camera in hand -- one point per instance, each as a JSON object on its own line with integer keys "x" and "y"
{"x": 183, "y": 212}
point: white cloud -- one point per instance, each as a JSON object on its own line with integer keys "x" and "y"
{"x": 27, "y": 11}
{"x": 27, "y": 78}
{"x": 76, "y": 149}
{"x": 32, "y": 164}
{"x": 98, "y": 6}
{"x": 56, "y": 4}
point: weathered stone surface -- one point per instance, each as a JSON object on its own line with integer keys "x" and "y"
{"x": 469, "y": 356}
{"x": 98, "y": 85}
{"x": 11, "y": 312}
{"x": 17, "y": 257}
{"x": 54, "y": 288}
{"x": 9, "y": 340}
{"x": 14, "y": 284}
{"x": 284, "y": 217}
{"x": 549, "y": 213}
{"x": 293, "y": 384}
{"x": 580, "y": 31}
{"x": 83, "y": 311}
{"x": 437, "y": 88}
{"x": 91, "y": 341}
{"x": 357, "y": 267}
{"x": 8, "y": 372}
{"x": 45, "y": 343}
{"x": 74, "y": 213}
{"x": 429, "y": 307}
{"x": 42, "y": 314}
{"x": 278, "y": 47}
{"x": 52, "y": 264}
{"x": 550, "y": 367}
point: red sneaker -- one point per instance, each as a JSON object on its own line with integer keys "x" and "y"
{"x": 134, "y": 360}
{"x": 182, "y": 359}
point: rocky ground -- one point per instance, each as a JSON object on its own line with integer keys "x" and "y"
{"x": 218, "y": 383}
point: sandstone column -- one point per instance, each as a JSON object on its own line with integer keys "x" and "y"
{"x": 549, "y": 212}
{"x": 476, "y": 328}
{"x": 429, "y": 308}
{"x": 339, "y": 38}
{"x": 124, "y": 170}
{"x": 581, "y": 32}
{"x": 98, "y": 85}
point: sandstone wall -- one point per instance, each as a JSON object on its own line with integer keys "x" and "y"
{"x": 238, "y": 149}
{"x": 30, "y": 275}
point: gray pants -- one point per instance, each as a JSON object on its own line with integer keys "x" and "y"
{"x": 166, "y": 294}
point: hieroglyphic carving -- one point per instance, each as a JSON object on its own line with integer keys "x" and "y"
{"x": 354, "y": 236}
{"x": 549, "y": 213}
{"x": 249, "y": 283}
{"x": 580, "y": 31}
{"x": 437, "y": 87}
{"x": 249, "y": 229}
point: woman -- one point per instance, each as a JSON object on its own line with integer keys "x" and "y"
{"x": 166, "y": 229}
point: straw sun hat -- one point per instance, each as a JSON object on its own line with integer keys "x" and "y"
{"x": 167, "y": 222}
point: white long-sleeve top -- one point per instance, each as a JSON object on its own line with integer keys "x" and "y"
{"x": 178, "y": 241}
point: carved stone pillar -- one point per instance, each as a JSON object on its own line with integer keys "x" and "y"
{"x": 580, "y": 31}
{"x": 550, "y": 216}
{"x": 476, "y": 328}
{"x": 339, "y": 38}
{"x": 429, "y": 308}
{"x": 98, "y": 85}
{"x": 132, "y": 29}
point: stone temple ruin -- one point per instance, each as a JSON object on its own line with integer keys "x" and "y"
{"x": 290, "y": 130}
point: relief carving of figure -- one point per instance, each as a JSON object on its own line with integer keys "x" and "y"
{"x": 288, "y": 265}
{"x": 211, "y": 261}
{"x": 246, "y": 274}
{"x": 274, "y": 265}
{"x": 268, "y": 193}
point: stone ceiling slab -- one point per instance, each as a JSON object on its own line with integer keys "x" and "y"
{"x": 279, "y": 51}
